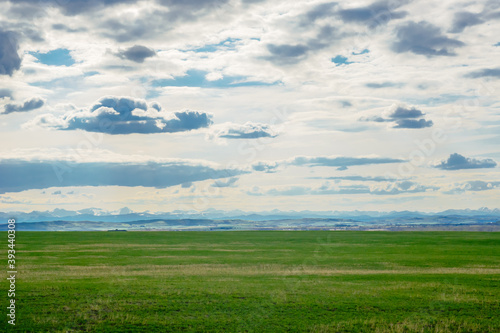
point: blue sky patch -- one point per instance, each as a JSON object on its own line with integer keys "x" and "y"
{"x": 196, "y": 78}
{"x": 341, "y": 60}
{"x": 57, "y": 57}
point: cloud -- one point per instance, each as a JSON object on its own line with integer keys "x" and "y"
{"x": 486, "y": 72}
{"x": 378, "y": 13}
{"x": 248, "y": 130}
{"x": 341, "y": 162}
{"x": 28, "y": 105}
{"x": 5, "y": 93}
{"x": 136, "y": 53}
{"x": 9, "y": 59}
{"x": 459, "y": 162}
{"x": 403, "y": 117}
{"x": 412, "y": 123}
{"x": 461, "y": 20}
{"x": 464, "y": 19}
{"x": 362, "y": 178}
{"x": 403, "y": 113}
{"x": 228, "y": 183}
{"x": 73, "y": 7}
{"x": 267, "y": 167}
{"x": 287, "y": 54}
{"x": 473, "y": 186}
{"x": 424, "y": 38}
{"x": 150, "y": 24}
{"x": 375, "y": 85}
{"x": 24, "y": 174}
{"x": 404, "y": 187}
{"x": 124, "y": 115}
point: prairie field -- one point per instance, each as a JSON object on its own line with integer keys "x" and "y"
{"x": 255, "y": 281}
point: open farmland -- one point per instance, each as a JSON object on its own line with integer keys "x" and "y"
{"x": 256, "y": 281}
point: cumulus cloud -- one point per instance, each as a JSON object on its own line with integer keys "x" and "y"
{"x": 124, "y": 115}
{"x": 9, "y": 58}
{"x": 28, "y": 105}
{"x": 424, "y": 38}
{"x": 459, "y": 162}
{"x": 136, "y": 53}
{"x": 486, "y": 72}
{"x": 248, "y": 130}
{"x": 403, "y": 117}
{"x": 35, "y": 172}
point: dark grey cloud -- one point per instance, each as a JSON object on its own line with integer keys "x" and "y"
{"x": 125, "y": 115}
{"x": 68, "y": 7}
{"x": 136, "y": 53}
{"x": 225, "y": 183}
{"x": 402, "y": 112}
{"x": 424, "y": 38}
{"x": 486, "y": 72}
{"x": 28, "y": 105}
{"x": 9, "y": 58}
{"x": 378, "y": 13}
{"x": 403, "y": 117}
{"x": 413, "y": 123}
{"x": 459, "y": 162}
{"x": 285, "y": 53}
{"x": 21, "y": 175}
{"x": 462, "y": 20}
{"x": 465, "y": 19}
{"x": 248, "y": 130}
{"x": 320, "y": 11}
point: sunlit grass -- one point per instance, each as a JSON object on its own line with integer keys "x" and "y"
{"x": 258, "y": 281}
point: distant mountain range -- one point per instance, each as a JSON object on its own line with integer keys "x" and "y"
{"x": 98, "y": 219}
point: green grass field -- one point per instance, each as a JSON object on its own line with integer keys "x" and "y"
{"x": 256, "y": 281}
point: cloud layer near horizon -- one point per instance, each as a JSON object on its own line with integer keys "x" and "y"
{"x": 20, "y": 175}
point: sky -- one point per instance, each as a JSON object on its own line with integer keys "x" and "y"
{"x": 164, "y": 105}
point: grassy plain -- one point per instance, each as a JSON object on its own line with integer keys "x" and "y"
{"x": 256, "y": 281}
